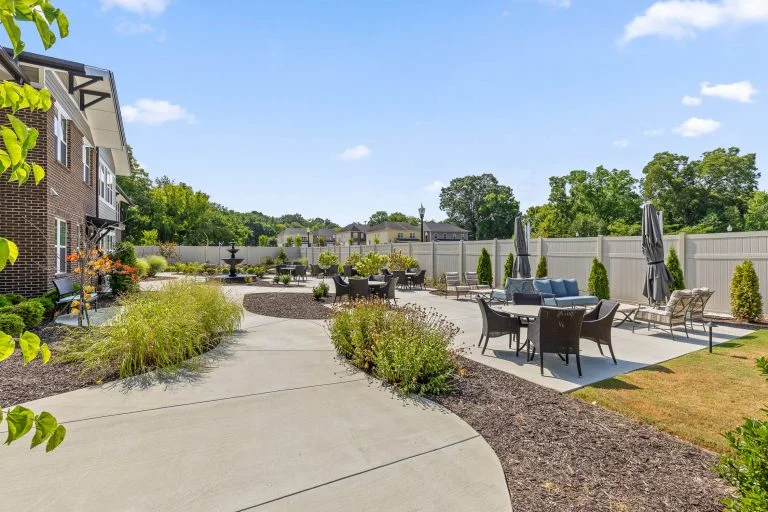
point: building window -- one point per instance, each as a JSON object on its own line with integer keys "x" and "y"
{"x": 86, "y": 163}
{"x": 109, "y": 241}
{"x": 454, "y": 236}
{"x": 60, "y": 138}
{"x": 413, "y": 236}
{"x": 106, "y": 184}
{"x": 60, "y": 236}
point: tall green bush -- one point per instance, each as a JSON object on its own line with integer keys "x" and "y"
{"x": 541, "y": 267}
{"x": 31, "y": 312}
{"x": 371, "y": 264}
{"x": 156, "y": 264}
{"x": 598, "y": 280}
{"x": 327, "y": 259}
{"x": 484, "y": 270}
{"x": 11, "y": 324}
{"x": 746, "y": 301}
{"x": 509, "y": 266}
{"x": 120, "y": 282}
{"x": 673, "y": 265}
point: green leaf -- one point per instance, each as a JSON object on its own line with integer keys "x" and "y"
{"x": 12, "y": 145}
{"x": 30, "y": 346}
{"x": 19, "y": 128}
{"x": 20, "y": 174}
{"x": 45, "y": 352}
{"x": 45, "y": 99}
{"x": 45, "y": 425}
{"x": 39, "y": 173}
{"x": 63, "y": 23}
{"x": 8, "y": 252}
{"x": 5, "y": 160}
{"x": 32, "y": 96}
{"x": 46, "y": 35}
{"x": 30, "y": 142}
{"x": 19, "y": 421}
{"x": 56, "y": 438}
{"x": 14, "y": 33}
{"x": 7, "y": 346}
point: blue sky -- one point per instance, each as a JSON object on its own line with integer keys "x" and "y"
{"x": 340, "y": 108}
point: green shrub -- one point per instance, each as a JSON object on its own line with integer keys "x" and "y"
{"x": 304, "y": 261}
{"x": 121, "y": 283}
{"x": 746, "y": 301}
{"x": 371, "y": 264}
{"x": 259, "y": 271}
{"x": 14, "y": 298}
{"x": 323, "y": 287}
{"x": 746, "y": 468}
{"x": 408, "y": 347}
{"x": 317, "y": 292}
{"x": 541, "y": 267}
{"x": 51, "y": 294}
{"x": 155, "y": 330}
{"x": 327, "y": 259}
{"x": 30, "y": 311}
{"x": 276, "y": 278}
{"x": 673, "y": 265}
{"x": 268, "y": 261}
{"x": 156, "y": 264}
{"x": 509, "y": 265}
{"x": 598, "y": 281}
{"x": 484, "y": 272}
{"x": 285, "y": 279}
{"x": 353, "y": 259}
{"x": 400, "y": 261}
{"x": 48, "y": 305}
{"x": 11, "y": 324}
{"x": 143, "y": 267}
{"x": 5, "y": 302}
{"x": 281, "y": 256}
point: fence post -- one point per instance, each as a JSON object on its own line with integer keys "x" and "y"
{"x": 433, "y": 258}
{"x": 410, "y": 249}
{"x": 495, "y": 260}
{"x": 600, "y": 249}
{"x": 681, "y": 255}
{"x": 461, "y": 257}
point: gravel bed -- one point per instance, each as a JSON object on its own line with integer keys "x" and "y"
{"x": 559, "y": 453}
{"x": 288, "y": 305}
{"x": 19, "y": 383}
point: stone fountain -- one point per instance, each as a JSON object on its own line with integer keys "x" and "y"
{"x": 232, "y": 261}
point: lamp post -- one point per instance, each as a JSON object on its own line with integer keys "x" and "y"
{"x": 309, "y": 240}
{"x": 421, "y": 216}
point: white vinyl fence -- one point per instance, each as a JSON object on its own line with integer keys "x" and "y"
{"x": 707, "y": 260}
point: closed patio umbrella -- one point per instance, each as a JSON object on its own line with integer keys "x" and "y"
{"x": 522, "y": 267}
{"x": 657, "y": 276}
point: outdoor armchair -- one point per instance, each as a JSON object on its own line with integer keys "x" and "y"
{"x": 669, "y": 316}
{"x": 300, "y": 273}
{"x": 556, "y": 331}
{"x": 453, "y": 282}
{"x": 400, "y": 275}
{"x": 496, "y": 324}
{"x": 342, "y": 288}
{"x": 391, "y": 288}
{"x": 699, "y": 301}
{"x": 418, "y": 279}
{"x": 315, "y": 270}
{"x": 598, "y": 323}
{"x": 474, "y": 283}
{"x": 359, "y": 289}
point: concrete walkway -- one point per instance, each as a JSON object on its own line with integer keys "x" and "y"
{"x": 276, "y": 424}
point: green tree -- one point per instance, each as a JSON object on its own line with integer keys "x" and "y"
{"x": 297, "y": 240}
{"x": 756, "y": 218}
{"x": 673, "y": 265}
{"x": 746, "y": 301}
{"x": 541, "y": 267}
{"x": 509, "y": 265}
{"x": 466, "y": 201}
{"x": 378, "y": 217}
{"x": 497, "y": 215}
{"x": 597, "y": 282}
{"x": 263, "y": 240}
{"x": 288, "y": 241}
{"x": 484, "y": 269}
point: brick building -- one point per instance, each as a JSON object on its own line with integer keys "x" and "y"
{"x": 81, "y": 145}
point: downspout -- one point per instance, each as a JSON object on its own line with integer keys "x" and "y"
{"x": 96, "y": 158}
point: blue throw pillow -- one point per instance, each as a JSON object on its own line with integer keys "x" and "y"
{"x": 571, "y": 287}
{"x": 558, "y": 287}
{"x": 542, "y": 286}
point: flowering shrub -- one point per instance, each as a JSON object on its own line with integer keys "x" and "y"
{"x": 400, "y": 261}
{"x": 88, "y": 266}
{"x": 371, "y": 264}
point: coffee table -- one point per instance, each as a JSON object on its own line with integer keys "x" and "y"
{"x": 627, "y": 310}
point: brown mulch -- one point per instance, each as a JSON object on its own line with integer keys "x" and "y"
{"x": 267, "y": 283}
{"x": 19, "y": 383}
{"x": 559, "y": 453}
{"x": 288, "y": 305}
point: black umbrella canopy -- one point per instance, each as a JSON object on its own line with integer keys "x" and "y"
{"x": 657, "y": 276}
{"x": 522, "y": 266}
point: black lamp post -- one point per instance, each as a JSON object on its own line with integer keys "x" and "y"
{"x": 309, "y": 240}
{"x": 421, "y": 216}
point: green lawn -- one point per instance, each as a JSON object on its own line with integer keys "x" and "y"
{"x": 696, "y": 397}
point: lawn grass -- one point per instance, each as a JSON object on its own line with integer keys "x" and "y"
{"x": 695, "y": 397}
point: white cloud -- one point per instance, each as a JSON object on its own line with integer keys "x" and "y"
{"x": 683, "y": 19}
{"x": 155, "y": 112}
{"x": 151, "y": 7}
{"x": 654, "y": 132}
{"x": 695, "y": 126}
{"x": 691, "y": 101}
{"x": 434, "y": 187}
{"x": 621, "y": 143}
{"x": 128, "y": 28}
{"x": 556, "y": 3}
{"x": 356, "y": 153}
{"x": 737, "y": 91}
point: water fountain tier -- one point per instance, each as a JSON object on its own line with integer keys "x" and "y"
{"x": 232, "y": 261}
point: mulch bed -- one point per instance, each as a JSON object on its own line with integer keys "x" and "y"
{"x": 559, "y": 453}
{"x": 269, "y": 284}
{"x": 288, "y": 305}
{"x": 19, "y": 383}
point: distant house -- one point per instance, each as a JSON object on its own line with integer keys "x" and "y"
{"x": 443, "y": 231}
{"x": 291, "y": 233}
{"x": 393, "y": 232}
{"x": 355, "y": 232}
{"x": 81, "y": 144}
{"x": 325, "y": 236}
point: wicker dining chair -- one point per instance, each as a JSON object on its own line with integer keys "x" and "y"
{"x": 496, "y": 324}
{"x": 342, "y": 288}
{"x": 359, "y": 289}
{"x": 400, "y": 275}
{"x": 598, "y": 324}
{"x": 556, "y": 331}
{"x": 418, "y": 279}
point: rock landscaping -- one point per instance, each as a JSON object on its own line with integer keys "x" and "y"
{"x": 288, "y": 305}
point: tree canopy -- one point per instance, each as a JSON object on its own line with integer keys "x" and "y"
{"x": 480, "y": 205}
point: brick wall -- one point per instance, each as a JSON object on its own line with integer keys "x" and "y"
{"x": 27, "y": 213}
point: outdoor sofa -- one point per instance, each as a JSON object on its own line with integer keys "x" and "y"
{"x": 562, "y": 293}
{"x": 513, "y": 285}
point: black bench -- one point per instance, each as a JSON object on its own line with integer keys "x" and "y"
{"x": 67, "y": 293}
